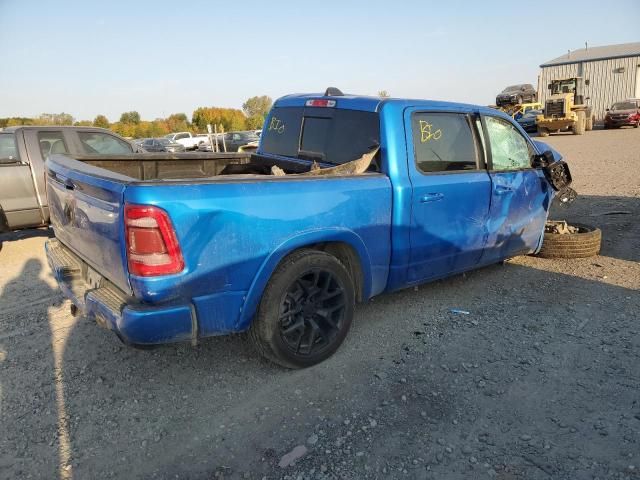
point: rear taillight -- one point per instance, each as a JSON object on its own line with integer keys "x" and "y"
{"x": 152, "y": 246}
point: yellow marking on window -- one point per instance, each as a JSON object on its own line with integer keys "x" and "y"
{"x": 276, "y": 125}
{"x": 426, "y": 132}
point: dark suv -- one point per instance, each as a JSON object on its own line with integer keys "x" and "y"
{"x": 515, "y": 94}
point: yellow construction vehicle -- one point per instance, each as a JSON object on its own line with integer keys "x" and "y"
{"x": 565, "y": 109}
{"x": 518, "y": 109}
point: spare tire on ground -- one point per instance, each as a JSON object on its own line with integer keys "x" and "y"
{"x": 570, "y": 241}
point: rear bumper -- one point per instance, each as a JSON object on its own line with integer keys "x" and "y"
{"x": 133, "y": 322}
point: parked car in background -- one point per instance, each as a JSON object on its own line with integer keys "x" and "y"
{"x": 187, "y": 139}
{"x": 138, "y": 142}
{"x": 235, "y": 140}
{"x": 626, "y": 113}
{"x": 205, "y": 145}
{"x": 516, "y": 94}
{"x": 528, "y": 120}
{"x": 284, "y": 242}
{"x": 23, "y": 151}
{"x": 162, "y": 145}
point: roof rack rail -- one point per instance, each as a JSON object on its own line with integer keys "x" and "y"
{"x": 333, "y": 92}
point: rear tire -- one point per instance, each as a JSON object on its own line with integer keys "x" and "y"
{"x": 306, "y": 310}
{"x": 585, "y": 243}
{"x": 578, "y": 128}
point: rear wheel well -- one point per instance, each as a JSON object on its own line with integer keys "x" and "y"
{"x": 348, "y": 256}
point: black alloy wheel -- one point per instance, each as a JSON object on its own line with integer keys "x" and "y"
{"x": 312, "y": 312}
{"x": 306, "y": 310}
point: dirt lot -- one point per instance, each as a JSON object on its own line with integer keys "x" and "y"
{"x": 539, "y": 381}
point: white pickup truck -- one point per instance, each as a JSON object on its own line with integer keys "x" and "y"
{"x": 187, "y": 139}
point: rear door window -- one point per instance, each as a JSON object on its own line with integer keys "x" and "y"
{"x": 51, "y": 142}
{"x": 96, "y": 143}
{"x": 330, "y": 135}
{"x": 443, "y": 142}
{"x": 8, "y": 148}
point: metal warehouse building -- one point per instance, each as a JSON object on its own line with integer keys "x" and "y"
{"x": 611, "y": 73}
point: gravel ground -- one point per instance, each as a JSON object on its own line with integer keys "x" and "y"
{"x": 540, "y": 380}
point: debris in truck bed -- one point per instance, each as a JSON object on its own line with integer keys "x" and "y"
{"x": 356, "y": 167}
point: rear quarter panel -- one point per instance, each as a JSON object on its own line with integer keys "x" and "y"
{"x": 233, "y": 234}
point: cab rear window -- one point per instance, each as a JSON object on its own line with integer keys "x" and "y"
{"x": 328, "y": 135}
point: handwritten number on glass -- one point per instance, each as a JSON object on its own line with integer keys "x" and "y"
{"x": 276, "y": 125}
{"x": 426, "y": 132}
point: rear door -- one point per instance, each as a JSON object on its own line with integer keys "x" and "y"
{"x": 18, "y": 197}
{"x": 40, "y": 144}
{"x": 520, "y": 195}
{"x": 451, "y": 193}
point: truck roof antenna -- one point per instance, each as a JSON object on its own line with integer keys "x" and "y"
{"x": 333, "y": 92}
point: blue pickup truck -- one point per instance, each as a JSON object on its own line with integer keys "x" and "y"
{"x": 163, "y": 248}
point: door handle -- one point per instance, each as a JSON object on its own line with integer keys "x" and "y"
{"x": 431, "y": 197}
{"x": 502, "y": 190}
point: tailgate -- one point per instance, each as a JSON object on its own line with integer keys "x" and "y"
{"x": 85, "y": 211}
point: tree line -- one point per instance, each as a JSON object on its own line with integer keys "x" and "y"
{"x": 251, "y": 117}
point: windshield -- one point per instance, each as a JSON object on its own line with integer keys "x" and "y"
{"x": 564, "y": 86}
{"x": 328, "y": 135}
{"x": 623, "y": 106}
{"x": 512, "y": 88}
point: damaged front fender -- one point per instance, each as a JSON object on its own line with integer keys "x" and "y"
{"x": 557, "y": 173}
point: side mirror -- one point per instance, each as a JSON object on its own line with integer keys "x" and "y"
{"x": 543, "y": 159}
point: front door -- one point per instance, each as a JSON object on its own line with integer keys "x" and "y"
{"x": 451, "y": 194}
{"x": 520, "y": 195}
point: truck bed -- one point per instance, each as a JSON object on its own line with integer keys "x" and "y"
{"x": 150, "y": 167}
{"x": 164, "y": 166}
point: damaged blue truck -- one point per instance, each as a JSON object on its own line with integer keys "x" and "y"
{"x": 346, "y": 198}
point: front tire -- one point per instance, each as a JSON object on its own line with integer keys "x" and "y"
{"x": 579, "y": 127}
{"x": 589, "y": 121}
{"x": 306, "y": 310}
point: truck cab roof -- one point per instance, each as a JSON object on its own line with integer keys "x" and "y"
{"x": 375, "y": 104}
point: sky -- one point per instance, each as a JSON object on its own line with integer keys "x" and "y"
{"x": 158, "y": 57}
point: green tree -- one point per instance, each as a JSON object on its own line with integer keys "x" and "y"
{"x": 230, "y": 119}
{"x": 177, "y": 122}
{"x": 255, "y": 122}
{"x": 130, "y": 117}
{"x": 83, "y": 123}
{"x": 101, "y": 121}
{"x": 257, "y": 106}
{"x": 54, "y": 119}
